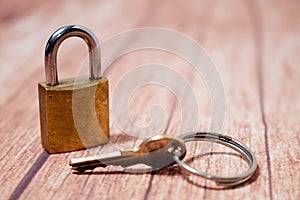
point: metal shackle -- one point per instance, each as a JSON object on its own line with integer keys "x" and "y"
{"x": 58, "y": 37}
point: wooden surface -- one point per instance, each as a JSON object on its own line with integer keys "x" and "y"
{"x": 255, "y": 45}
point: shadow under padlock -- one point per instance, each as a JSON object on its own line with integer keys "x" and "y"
{"x": 60, "y": 131}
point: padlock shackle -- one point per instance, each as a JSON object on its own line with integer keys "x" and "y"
{"x": 58, "y": 37}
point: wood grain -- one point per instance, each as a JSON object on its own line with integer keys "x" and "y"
{"x": 254, "y": 45}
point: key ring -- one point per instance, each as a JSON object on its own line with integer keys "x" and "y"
{"x": 226, "y": 141}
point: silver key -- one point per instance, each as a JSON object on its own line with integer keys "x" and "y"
{"x": 157, "y": 152}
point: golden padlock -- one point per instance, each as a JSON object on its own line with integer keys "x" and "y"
{"x": 74, "y": 112}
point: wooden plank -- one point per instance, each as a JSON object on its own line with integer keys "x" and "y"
{"x": 281, "y": 79}
{"x": 19, "y": 135}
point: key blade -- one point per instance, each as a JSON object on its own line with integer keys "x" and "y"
{"x": 87, "y": 163}
{"x": 90, "y": 163}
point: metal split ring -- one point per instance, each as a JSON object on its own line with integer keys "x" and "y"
{"x": 229, "y": 142}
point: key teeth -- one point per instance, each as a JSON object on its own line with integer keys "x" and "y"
{"x": 82, "y": 170}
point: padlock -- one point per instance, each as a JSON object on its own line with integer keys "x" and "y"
{"x": 65, "y": 127}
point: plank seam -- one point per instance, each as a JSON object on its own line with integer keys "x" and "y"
{"x": 256, "y": 17}
{"x": 23, "y": 184}
{"x": 149, "y": 186}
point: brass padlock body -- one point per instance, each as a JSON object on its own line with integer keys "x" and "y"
{"x": 60, "y": 132}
